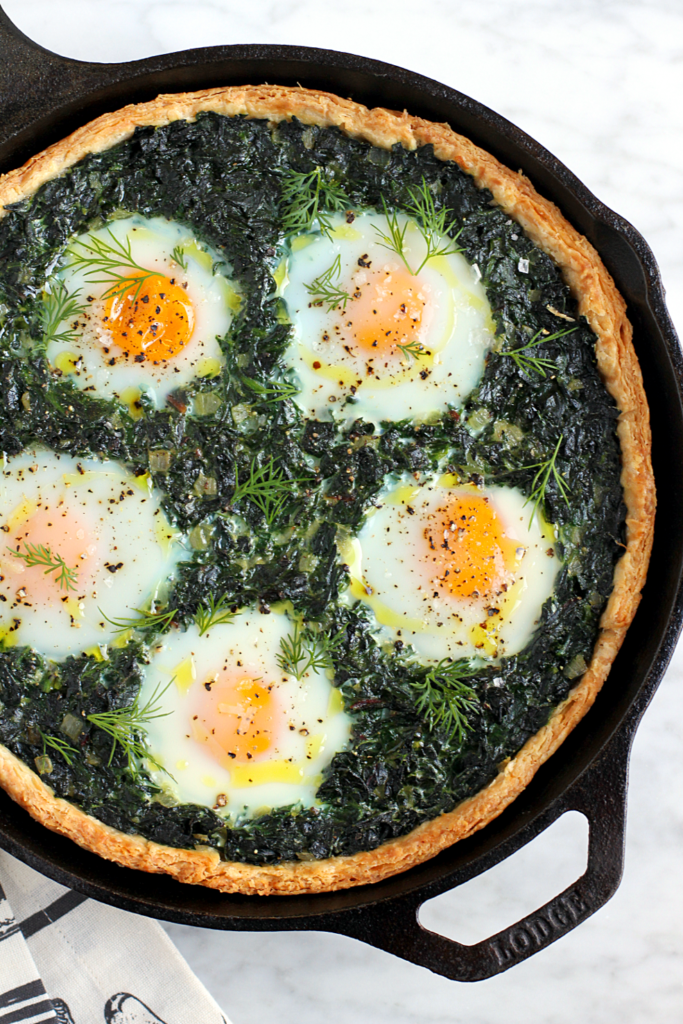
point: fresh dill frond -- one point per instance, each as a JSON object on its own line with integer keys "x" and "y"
{"x": 267, "y": 487}
{"x": 544, "y": 471}
{"x": 213, "y": 613}
{"x": 42, "y": 555}
{"x": 308, "y": 198}
{"x": 446, "y": 700}
{"x": 59, "y": 305}
{"x": 61, "y": 746}
{"x": 432, "y": 225}
{"x": 535, "y": 363}
{"x": 158, "y": 621}
{"x": 108, "y": 259}
{"x": 124, "y": 724}
{"x": 325, "y": 288}
{"x": 275, "y": 391}
{"x": 394, "y": 238}
{"x": 292, "y": 653}
{"x": 413, "y": 348}
{"x": 306, "y": 649}
{"x": 179, "y": 256}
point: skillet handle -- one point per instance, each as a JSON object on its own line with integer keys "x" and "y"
{"x": 31, "y": 79}
{"x": 600, "y": 794}
{"x": 23, "y": 63}
{"x": 34, "y": 84}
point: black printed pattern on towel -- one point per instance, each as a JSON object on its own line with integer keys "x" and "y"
{"x": 27, "y": 1004}
{"x": 62, "y": 1012}
{"x": 125, "y": 1008}
{"x": 42, "y": 918}
{"x": 8, "y": 926}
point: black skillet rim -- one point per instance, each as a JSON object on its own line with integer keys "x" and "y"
{"x": 79, "y": 92}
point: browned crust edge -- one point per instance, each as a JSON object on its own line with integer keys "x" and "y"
{"x": 605, "y": 310}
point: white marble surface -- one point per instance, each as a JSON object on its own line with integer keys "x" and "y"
{"x": 599, "y": 82}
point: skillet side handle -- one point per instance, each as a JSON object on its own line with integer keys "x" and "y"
{"x": 600, "y": 794}
{"x": 22, "y": 62}
{"x": 33, "y": 83}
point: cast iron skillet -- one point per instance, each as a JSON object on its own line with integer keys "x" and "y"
{"x": 44, "y": 97}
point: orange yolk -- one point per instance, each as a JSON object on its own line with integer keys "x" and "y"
{"x": 389, "y": 310}
{"x": 153, "y": 325}
{"x": 68, "y": 535}
{"x": 470, "y": 550}
{"x": 235, "y": 718}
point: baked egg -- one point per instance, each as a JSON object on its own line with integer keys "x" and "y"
{"x": 138, "y": 306}
{"x": 239, "y": 733}
{"x": 84, "y": 542}
{"x": 378, "y": 335}
{"x": 454, "y": 570}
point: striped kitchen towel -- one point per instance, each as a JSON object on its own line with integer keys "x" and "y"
{"x": 68, "y": 959}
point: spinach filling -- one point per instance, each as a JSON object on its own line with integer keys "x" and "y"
{"x": 223, "y": 177}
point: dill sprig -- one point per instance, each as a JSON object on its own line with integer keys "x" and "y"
{"x": 178, "y": 255}
{"x": 107, "y": 259}
{"x": 394, "y": 238}
{"x": 276, "y": 391}
{"x": 124, "y": 725}
{"x": 446, "y": 700}
{"x": 59, "y": 304}
{"x": 213, "y": 613}
{"x": 41, "y": 554}
{"x": 306, "y": 649}
{"x": 310, "y": 197}
{"x": 536, "y": 363}
{"x": 158, "y": 621}
{"x": 325, "y": 289}
{"x": 413, "y": 348}
{"x": 267, "y": 487}
{"x": 430, "y": 222}
{"x": 544, "y": 471}
{"x": 61, "y": 746}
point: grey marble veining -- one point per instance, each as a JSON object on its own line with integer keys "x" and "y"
{"x": 600, "y": 85}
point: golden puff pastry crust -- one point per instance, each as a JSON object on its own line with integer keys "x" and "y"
{"x": 604, "y": 309}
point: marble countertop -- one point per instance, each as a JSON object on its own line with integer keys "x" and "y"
{"x": 600, "y": 85}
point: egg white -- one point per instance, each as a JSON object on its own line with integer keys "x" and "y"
{"x": 392, "y": 571}
{"x": 311, "y": 725}
{"x": 127, "y": 553}
{"x": 88, "y": 357}
{"x": 339, "y": 380}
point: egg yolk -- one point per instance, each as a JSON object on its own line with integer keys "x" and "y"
{"x": 469, "y": 548}
{"x": 388, "y": 309}
{"x": 52, "y": 555}
{"x": 235, "y": 718}
{"x": 154, "y": 324}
